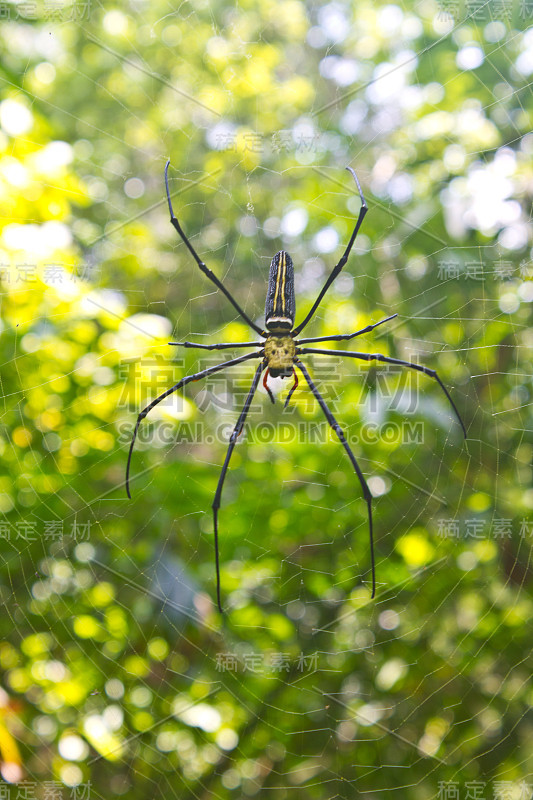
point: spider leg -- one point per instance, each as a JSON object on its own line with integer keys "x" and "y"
{"x": 388, "y": 360}
{"x": 342, "y": 262}
{"x": 344, "y": 336}
{"x": 232, "y": 442}
{"x": 188, "y": 378}
{"x": 293, "y": 388}
{"x": 220, "y": 346}
{"x": 364, "y": 486}
{"x": 266, "y": 387}
{"x": 205, "y": 269}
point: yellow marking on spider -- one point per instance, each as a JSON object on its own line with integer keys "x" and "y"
{"x": 281, "y": 271}
{"x": 283, "y": 283}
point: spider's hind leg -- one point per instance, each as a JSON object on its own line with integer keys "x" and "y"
{"x": 205, "y": 269}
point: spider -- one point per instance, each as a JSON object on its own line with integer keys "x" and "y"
{"x": 279, "y": 356}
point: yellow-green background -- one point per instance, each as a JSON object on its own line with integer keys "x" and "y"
{"x": 428, "y": 683}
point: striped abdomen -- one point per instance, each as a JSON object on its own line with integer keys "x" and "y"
{"x": 280, "y": 306}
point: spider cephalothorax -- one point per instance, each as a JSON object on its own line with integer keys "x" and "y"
{"x": 279, "y": 354}
{"x": 280, "y": 357}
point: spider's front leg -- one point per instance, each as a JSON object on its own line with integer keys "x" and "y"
{"x": 232, "y": 442}
{"x": 188, "y": 378}
{"x": 364, "y": 486}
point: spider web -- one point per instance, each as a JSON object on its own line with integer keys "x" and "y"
{"x": 305, "y": 685}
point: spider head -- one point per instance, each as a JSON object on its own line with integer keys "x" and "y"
{"x": 280, "y": 373}
{"x": 279, "y": 353}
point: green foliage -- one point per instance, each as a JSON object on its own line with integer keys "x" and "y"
{"x": 116, "y": 668}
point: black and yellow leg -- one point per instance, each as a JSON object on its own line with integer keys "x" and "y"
{"x": 344, "y": 337}
{"x": 388, "y": 360}
{"x": 205, "y": 269}
{"x": 364, "y": 486}
{"x": 232, "y": 442}
{"x": 221, "y": 346}
{"x": 188, "y": 378}
{"x": 336, "y": 270}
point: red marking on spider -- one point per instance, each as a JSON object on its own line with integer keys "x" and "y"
{"x": 265, "y": 378}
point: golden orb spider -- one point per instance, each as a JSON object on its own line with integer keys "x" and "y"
{"x": 279, "y": 354}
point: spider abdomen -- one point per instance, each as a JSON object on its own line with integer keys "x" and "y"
{"x": 279, "y": 353}
{"x": 280, "y": 304}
